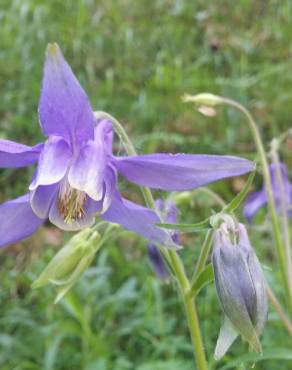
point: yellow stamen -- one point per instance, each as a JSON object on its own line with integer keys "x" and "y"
{"x": 71, "y": 203}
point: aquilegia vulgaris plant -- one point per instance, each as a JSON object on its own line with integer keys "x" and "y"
{"x": 76, "y": 181}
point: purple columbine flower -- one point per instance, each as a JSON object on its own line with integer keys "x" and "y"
{"x": 259, "y": 199}
{"x": 76, "y": 175}
{"x": 168, "y": 213}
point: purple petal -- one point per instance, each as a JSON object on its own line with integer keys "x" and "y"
{"x": 169, "y": 214}
{"x": 139, "y": 219}
{"x": 276, "y": 185}
{"x": 181, "y": 171}
{"x": 260, "y": 311}
{"x": 64, "y": 107}
{"x": 87, "y": 171}
{"x": 103, "y": 131}
{"x": 167, "y": 210}
{"x": 90, "y": 209}
{"x": 259, "y": 199}
{"x": 157, "y": 262}
{"x": 41, "y": 199}
{"x": 290, "y": 203}
{"x": 18, "y": 155}
{"x": 17, "y": 220}
{"x": 253, "y": 203}
{"x": 53, "y": 162}
{"x": 110, "y": 187}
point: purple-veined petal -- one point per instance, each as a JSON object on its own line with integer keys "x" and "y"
{"x": 17, "y": 220}
{"x": 41, "y": 199}
{"x": 87, "y": 171}
{"x": 53, "y": 162}
{"x": 90, "y": 209}
{"x": 253, "y": 203}
{"x": 157, "y": 262}
{"x": 14, "y": 155}
{"x": 64, "y": 108}
{"x": 180, "y": 171}
{"x": 139, "y": 219}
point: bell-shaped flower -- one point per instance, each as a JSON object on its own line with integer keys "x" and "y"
{"x": 259, "y": 199}
{"x": 241, "y": 288}
{"x": 76, "y": 175}
{"x": 167, "y": 211}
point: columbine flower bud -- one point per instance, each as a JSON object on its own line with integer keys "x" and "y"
{"x": 206, "y": 99}
{"x": 240, "y": 285}
{"x": 70, "y": 262}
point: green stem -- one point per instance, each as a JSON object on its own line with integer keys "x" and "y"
{"x": 278, "y": 308}
{"x": 191, "y": 311}
{"x": 205, "y": 250}
{"x": 172, "y": 257}
{"x": 271, "y": 203}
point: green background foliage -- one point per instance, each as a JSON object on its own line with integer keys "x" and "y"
{"x": 135, "y": 59}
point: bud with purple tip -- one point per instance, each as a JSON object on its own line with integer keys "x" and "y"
{"x": 240, "y": 285}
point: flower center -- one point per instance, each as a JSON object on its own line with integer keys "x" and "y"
{"x": 71, "y": 203}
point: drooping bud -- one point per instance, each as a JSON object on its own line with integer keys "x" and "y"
{"x": 70, "y": 262}
{"x": 240, "y": 286}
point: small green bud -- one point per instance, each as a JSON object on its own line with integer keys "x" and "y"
{"x": 70, "y": 262}
{"x": 204, "y": 99}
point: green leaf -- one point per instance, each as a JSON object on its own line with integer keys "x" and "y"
{"x": 200, "y": 226}
{"x": 235, "y": 203}
{"x": 205, "y": 277}
{"x": 268, "y": 354}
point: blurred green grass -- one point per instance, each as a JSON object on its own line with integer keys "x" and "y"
{"x": 135, "y": 59}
